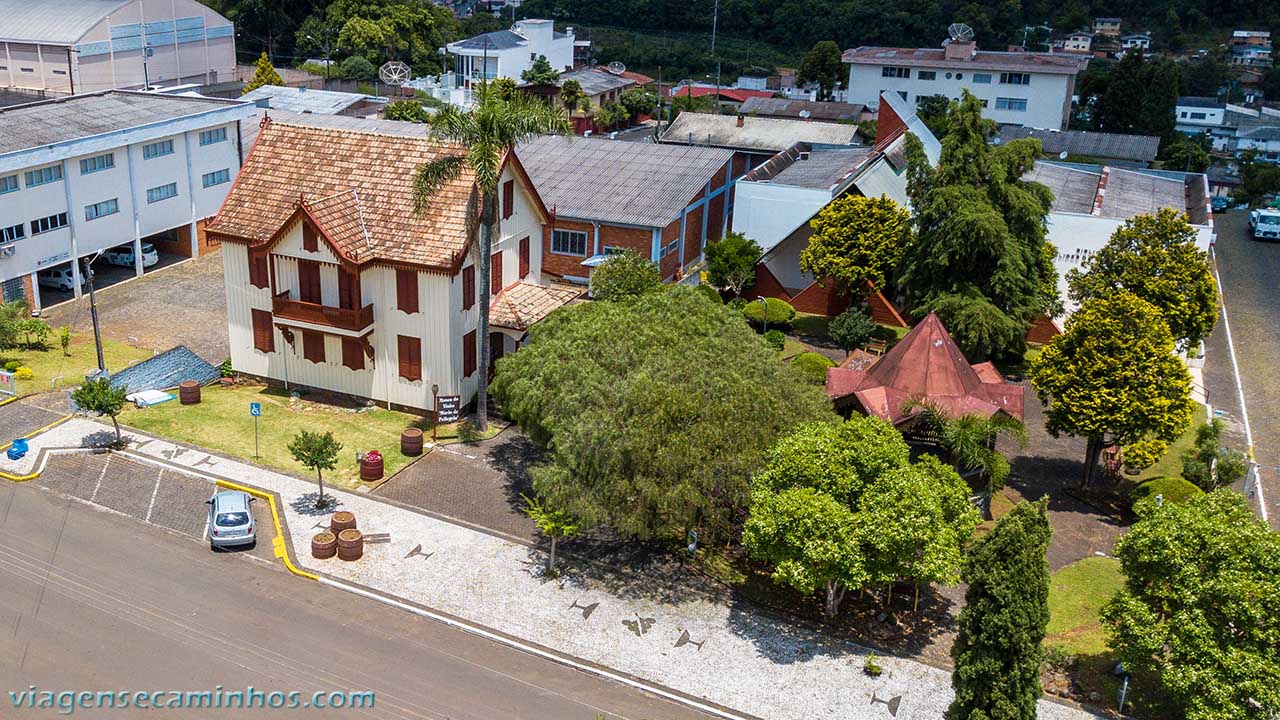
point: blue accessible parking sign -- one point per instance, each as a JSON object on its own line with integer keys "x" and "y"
{"x": 255, "y": 409}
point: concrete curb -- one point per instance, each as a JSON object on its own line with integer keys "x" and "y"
{"x": 279, "y": 544}
{"x": 41, "y": 458}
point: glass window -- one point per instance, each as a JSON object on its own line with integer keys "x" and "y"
{"x": 1015, "y": 78}
{"x": 982, "y": 78}
{"x": 895, "y": 72}
{"x": 156, "y": 149}
{"x": 232, "y": 519}
{"x": 670, "y": 247}
{"x": 216, "y": 135}
{"x": 569, "y": 242}
{"x": 45, "y": 224}
{"x": 164, "y": 192}
{"x": 97, "y": 162}
{"x": 1195, "y": 115}
{"x": 217, "y": 177}
{"x": 13, "y": 232}
{"x": 43, "y": 175}
{"x": 97, "y": 210}
{"x": 1015, "y": 104}
{"x": 8, "y": 184}
{"x": 927, "y": 75}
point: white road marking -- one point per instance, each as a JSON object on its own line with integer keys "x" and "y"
{"x": 155, "y": 491}
{"x": 1235, "y": 369}
{"x": 101, "y": 475}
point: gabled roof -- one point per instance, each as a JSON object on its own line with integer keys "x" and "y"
{"x": 595, "y": 81}
{"x": 522, "y": 304}
{"x": 496, "y": 40}
{"x": 619, "y": 182}
{"x": 757, "y": 134}
{"x": 358, "y": 188}
{"x": 802, "y": 109}
{"x": 926, "y": 365}
{"x": 61, "y": 23}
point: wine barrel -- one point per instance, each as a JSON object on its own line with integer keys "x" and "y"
{"x": 350, "y": 545}
{"x": 189, "y": 392}
{"x": 342, "y": 520}
{"x": 371, "y": 468}
{"x": 324, "y": 545}
{"x": 411, "y": 442}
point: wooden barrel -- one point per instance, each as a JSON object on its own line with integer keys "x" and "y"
{"x": 189, "y": 392}
{"x": 324, "y": 545}
{"x": 342, "y": 520}
{"x": 371, "y": 468}
{"x": 350, "y": 545}
{"x": 411, "y": 442}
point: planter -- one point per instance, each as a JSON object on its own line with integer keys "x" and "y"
{"x": 342, "y": 520}
{"x": 350, "y": 545}
{"x": 324, "y": 545}
{"x": 411, "y": 442}
{"x": 371, "y": 466}
{"x": 189, "y": 392}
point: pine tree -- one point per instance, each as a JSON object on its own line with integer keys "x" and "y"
{"x": 265, "y": 74}
{"x": 997, "y": 651}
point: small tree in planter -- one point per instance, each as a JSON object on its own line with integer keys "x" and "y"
{"x": 98, "y": 395}
{"x": 318, "y": 452}
{"x": 555, "y": 524}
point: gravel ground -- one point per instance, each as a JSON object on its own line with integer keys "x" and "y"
{"x": 703, "y": 648}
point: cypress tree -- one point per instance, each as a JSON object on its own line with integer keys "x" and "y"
{"x": 997, "y": 653}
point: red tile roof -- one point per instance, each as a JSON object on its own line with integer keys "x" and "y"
{"x": 521, "y": 305}
{"x": 926, "y": 365}
{"x": 734, "y": 94}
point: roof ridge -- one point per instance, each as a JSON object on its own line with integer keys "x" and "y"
{"x": 368, "y": 131}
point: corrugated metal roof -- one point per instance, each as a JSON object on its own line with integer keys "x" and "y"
{"x": 79, "y": 116}
{"x": 631, "y": 183}
{"x": 1115, "y": 146}
{"x": 819, "y": 168}
{"x": 1200, "y": 102}
{"x": 801, "y": 109}
{"x": 756, "y": 134}
{"x": 1073, "y": 189}
{"x": 595, "y": 81}
{"x": 304, "y": 100}
{"x": 60, "y": 22}
{"x": 1053, "y": 63}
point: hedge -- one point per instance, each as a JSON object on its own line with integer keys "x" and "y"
{"x": 780, "y": 312}
{"x": 1172, "y": 489}
{"x": 812, "y": 366}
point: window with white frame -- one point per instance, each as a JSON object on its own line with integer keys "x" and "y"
{"x": 982, "y": 78}
{"x": 157, "y": 149}
{"x": 671, "y": 247}
{"x": 13, "y": 232}
{"x": 8, "y": 184}
{"x": 217, "y": 177}
{"x": 44, "y": 175}
{"x": 97, "y": 163}
{"x": 216, "y": 135}
{"x": 1014, "y": 104}
{"x": 891, "y": 71}
{"x": 45, "y": 224}
{"x": 164, "y": 192}
{"x": 927, "y": 75}
{"x": 1015, "y": 78}
{"x": 569, "y": 242}
{"x": 101, "y": 209}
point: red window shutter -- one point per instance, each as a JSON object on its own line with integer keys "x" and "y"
{"x": 524, "y": 257}
{"x": 313, "y": 346}
{"x": 309, "y": 281}
{"x": 468, "y": 287}
{"x": 347, "y": 299}
{"x": 264, "y": 338}
{"x": 309, "y": 242}
{"x": 469, "y": 354}
{"x": 259, "y": 277}
{"x": 508, "y": 198}
{"x": 352, "y": 353}
{"x": 495, "y": 273}
{"x": 409, "y": 350}
{"x": 407, "y": 290}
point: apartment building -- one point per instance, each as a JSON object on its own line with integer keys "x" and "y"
{"x": 86, "y": 173}
{"x": 508, "y": 53}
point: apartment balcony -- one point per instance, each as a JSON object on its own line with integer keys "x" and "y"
{"x": 305, "y": 314}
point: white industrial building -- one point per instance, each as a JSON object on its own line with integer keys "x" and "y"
{"x": 508, "y": 53}
{"x": 74, "y": 46}
{"x": 1016, "y": 88}
{"x": 85, "y": 173}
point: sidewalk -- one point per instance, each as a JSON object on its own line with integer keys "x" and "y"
{"x": 731, "y": 656}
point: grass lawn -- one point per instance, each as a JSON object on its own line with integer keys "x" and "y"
{"x": 810, "y": 325}
{"x": 1077, "y": 593}
{"x": 221, "y": 423}
{"x": 53, "y": 370}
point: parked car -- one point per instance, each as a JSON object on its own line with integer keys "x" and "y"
{"x": 1265, "y": 223}
{"x": 59, "y": 278}
{"x": 122, "y": 255}
{"x": 230, "y": 519}
{"x": 1220, "y": 203}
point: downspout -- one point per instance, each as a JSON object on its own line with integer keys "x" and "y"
{"x": 71, "y": 73}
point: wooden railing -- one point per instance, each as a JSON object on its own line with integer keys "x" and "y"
{"x": 316, "y": 314}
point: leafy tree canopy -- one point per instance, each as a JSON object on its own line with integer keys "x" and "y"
{"x": 731, "y": 262}
{"x": 381, "y": 30}
{"x": 823, "y": 66}
{"x": 264, "y": 74}
{"x": 100, "y": 396}
{"x": 540, "y": 72}
{"x": 1201, "y": 606}
{"x": 623, "y": 276}
{"x": 856, "y": 240}
{"x": 407, "y": 111}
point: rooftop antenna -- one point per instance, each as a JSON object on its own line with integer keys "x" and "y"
{"x": 617, "y": 68}
{"x": 960, "y": 32}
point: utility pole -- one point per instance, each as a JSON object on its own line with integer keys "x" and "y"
{"x": 146, "y": 53}
{"x": 715, "y": 26}
{"x": 93, "y": 313}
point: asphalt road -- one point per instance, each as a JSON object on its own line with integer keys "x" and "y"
{"x": 94, "y": 600}
{"x": 1250, "y": 272}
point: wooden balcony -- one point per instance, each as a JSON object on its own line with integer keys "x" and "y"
{"x": 354, "y": 321}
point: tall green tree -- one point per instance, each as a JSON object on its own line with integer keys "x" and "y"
{"x": 997, "y": 650}
{"x": 977, "y": 256}
{"x": 540, "y": 72}
{"x": 1162, "y": 86}
{"x": 316, "y": 451}
{"x": 1206, "y": 78}
{"x": 623, "y": 276}
{"x": 264, "y": 74}
{"x": 1188, "y": 154}
{"x": 1112, "y": 377}
{"x": 572, "y": 97}
{"x": 731, "y": 263}
{"x": 654, "y": 414}
{"x": 1119, "y": 109}
{"x": 856, "y": 240}
{"x": 100, "y": 396}
{"x": 489, "y": 133}
{"x": 1200, "y": 606}
{"x": 823, "y": 66}
{"x": 1155, "y": 257}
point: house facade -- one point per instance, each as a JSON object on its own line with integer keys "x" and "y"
{"x": 1106, "y": 26}
{"x": 1018, "y": 88}
{"x": 508, "y": 53}
{"x": 334, "y": 281}
{"x": 85, "y": 173}
{"x": 1080, "y": 42}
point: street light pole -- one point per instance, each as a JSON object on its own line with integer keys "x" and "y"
{"x": 93, "y": 313}
{"x": 764, "y": 314}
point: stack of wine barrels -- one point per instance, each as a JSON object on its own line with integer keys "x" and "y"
{"x": 324, "y": 545}
{"x": 189, "y": 392}
{"x": 342, "y": 520}
{"x": 350, "y": 545}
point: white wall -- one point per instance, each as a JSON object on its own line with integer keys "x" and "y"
{"x": 767, "y": 212}
{"x": 1048, "y": 96}
{"x": 1198, "y": 116}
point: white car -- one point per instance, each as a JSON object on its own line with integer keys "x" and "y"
{"x": 122, "y": 255}
{"x": 230, "y": 519}
{"x": 58, "y": 279}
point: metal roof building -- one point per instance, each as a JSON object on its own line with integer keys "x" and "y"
{"x": 74, "y": 46}
{"x": 317, "y": 102}
{"x": 754, "y": 134}
{"x": 1100, "y": 145}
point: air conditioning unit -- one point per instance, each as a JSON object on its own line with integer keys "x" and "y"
{"x": 7, "y": 251}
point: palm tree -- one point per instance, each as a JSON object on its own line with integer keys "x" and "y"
{"x": 489, "y": 132}
{"x": 970, "y": 439}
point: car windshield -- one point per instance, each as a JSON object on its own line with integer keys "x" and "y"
{"x": 148, "y": 247}
{"x": 232, "y": 519}
{"x": 1269, "y": 219}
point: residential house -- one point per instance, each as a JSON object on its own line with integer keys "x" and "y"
{"x": 599, "y": 84}
{"x": 788, "y": 109}
{"x": 318, "y": 102}
{"x": 76, "y": 46}
{"x": 1251, "y": 54}
{"x": 508, "y": 53}
{"x": 1113, "y": 148}
{"x": 85, "y": 173}
{"x": 1019, "y": 88}
{"x": 334, "y": 280}
{"x": 1079, "y": 42}
{"x": 665, "y": 202}
{"x": 1232, "y": 129}
{"x": 1136, "y": 41}
{"x": 754, "y": 139}
{"x": 1106, "y": 26}
{"x": 1195, "y": 114}
{"x": 727, "y": 98}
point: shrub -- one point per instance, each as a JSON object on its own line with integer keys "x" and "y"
{"x": 225, "y": 369}
{"x": 812, "y": 366}
{"x": 737, "y": 304}
{"x": 780, "y": 312}
{"x": 1144, "y": 453}
{"x": 357, "y": 68}
{"x": 12, "y": 365}
{"x": 1209, "y": 465}
{"x": 1172, "y": 489}
{"x": 623, "y": 276}
{"x": 24, "y": 373}
{"x": 406, "y": 111}
{"x": 871, "y": 666}
{"x": 712, "y": 294}
{"x": 776, "y": 339}
{"x": 851, "y": 329}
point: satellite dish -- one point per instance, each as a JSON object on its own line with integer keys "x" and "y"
{"x": 394, "y": 73}
{"x": 616, "y": 68}
{"x": 960, "y": 32}
{"x": 1062, "y": 155}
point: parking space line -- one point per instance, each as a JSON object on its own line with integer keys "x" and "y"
{"x": 154, "y": 491}
{"x": 101, "y": 475}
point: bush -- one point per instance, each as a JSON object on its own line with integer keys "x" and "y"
{"x": 624, "y": 276}
{"x": 737, "y": 304}
{"x": 871, "y": 666}
{"x": 776, "y": 339}
{"x": 24, "y": 373}
{"x": 12, "y": 365}
{"x": 712, "y": 294}
{"x": 780, "y": 312}
{"x": 1172, "y": 489}
{"x": 357, "y": 68}
{"x": 225, "y": 369}
{"x": 406, "y": 111}
{"x": 1209, "y": 465}
{"x": 812, "y": 366}
{"x": 851, "y": 329}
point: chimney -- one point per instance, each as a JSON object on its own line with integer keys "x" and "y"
{"x": 959, "y": 49}
{"x": 741, "y": 120}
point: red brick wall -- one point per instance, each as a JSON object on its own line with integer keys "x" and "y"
{"x": 638, "y": 239}
{"x": 667, "y": 266}
{"x": 821, "y": 300}
{"x": 693, "y": 233}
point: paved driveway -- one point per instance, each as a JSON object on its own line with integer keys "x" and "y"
{"x": 23, "y": 417}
